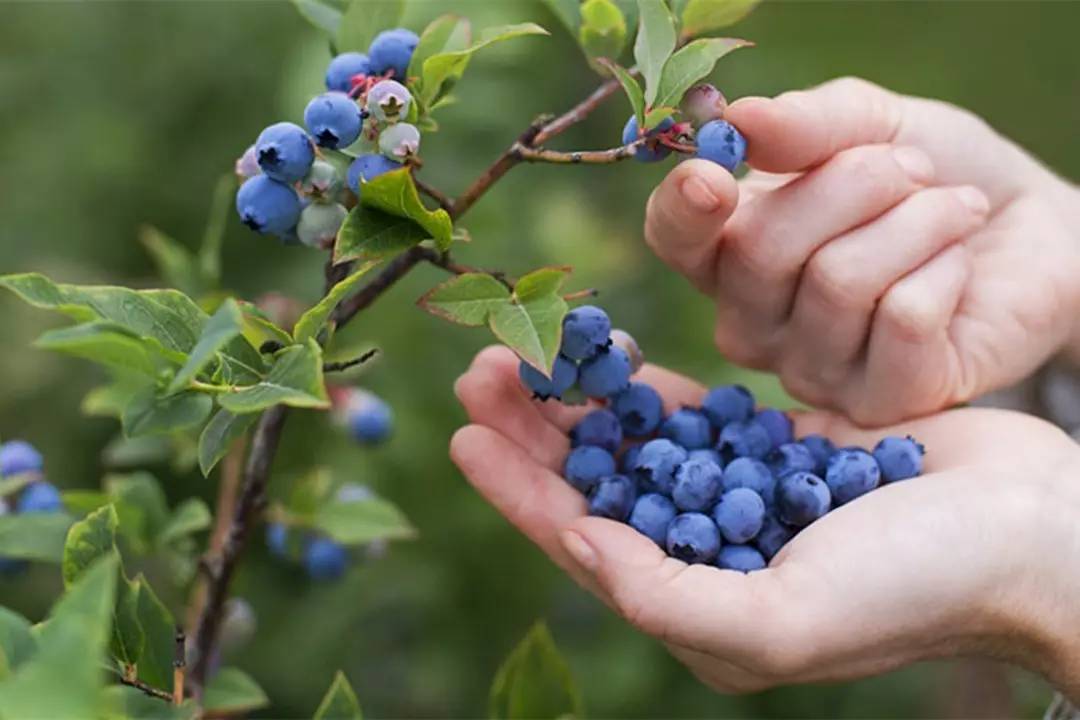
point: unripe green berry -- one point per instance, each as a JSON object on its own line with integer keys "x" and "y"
{"x": 399, "y": 142}
{"x": 319, "y": 224}
{"x": 322, "y": 181}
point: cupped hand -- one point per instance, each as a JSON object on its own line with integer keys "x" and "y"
{"x": 889, "y": 256}
{"x": 977, "y": 556}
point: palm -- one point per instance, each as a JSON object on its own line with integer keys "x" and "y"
{"x": 872, "y": 585}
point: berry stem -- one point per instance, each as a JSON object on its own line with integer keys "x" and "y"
{"x": 146, "y": 689}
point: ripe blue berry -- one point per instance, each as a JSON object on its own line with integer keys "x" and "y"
{"x": 392, "y": 50}
{"x": 605, "y": 374}
{"x": 821, "y": 448}
{"x": 645, "y": 152}
{"x": 750, "y": 473}
{"x": 900, "y": 458}
{"x": 739, "y": 514}
{"x": 651, "y": 516}
{"x": 370, "y": 420}
{"x": 743, "y": 438}
{"x": 586, "y": 465}
{"x": 333, "y": 119}
{"x": 778, "y": 424}
{"x": 689, "y": 428}
{"x": 284, "y": 151}
{"x": 706, "y": 454}
{"x": 586, "y": 331}
{"x": 719, "y": 141}
{"x": 19, "y": 456}
{"x": 743, "y": 558}
{"x": 247, "y": 165}
{"x": 267, "y": 206}
{"x": 654, "y": 468}
{"x": 277, "y": 540}
{"x": 388, "y": 101}
{"x": 790, "y": 457}
{"x": 693, "y": 538}
{"x": 851, "y": 473}
{"x": 639, "y": 409}
{"x": 325, "y": 559}
{"x": 726, "y": 404}
{"x": 613, "y": 498}
{"x": 563, "y": 376}
{"x": 801, "y": 498}
{"x": 629, "y": 457}
{"x": 366, "y": 168}
{"x": 697, "y": 484}
{"x": 400, "y": 142}
{"x": 319, "y": 224}
{"x": 343, "y": 68}
{"x": 600, "y": 428}
{"x": 703, "y": 103}
{"x": 39, "y": 497}
{"x": 773, "y": 536}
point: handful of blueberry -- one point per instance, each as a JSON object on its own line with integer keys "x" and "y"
{"x": 20, "y": 458}
{"x": 724, "y": 483}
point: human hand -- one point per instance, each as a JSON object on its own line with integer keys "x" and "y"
{"x": 900, "y": 257}
{"x": 977, "y": 556}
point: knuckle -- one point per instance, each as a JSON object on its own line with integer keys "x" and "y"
{"x": 739, "y": 347}
{"x": 837, "y": 280}
{"x": 872, "y": 169}
{"x": 908, "y": 317}
{"x": 800, "y": 382}
{"x": 751, "y": 240}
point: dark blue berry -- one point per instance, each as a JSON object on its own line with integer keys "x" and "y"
{"x": 744, "y": 438}
{"x": 900, "y": 458}
{"x": 613, "y": 498}
{"x": 726, "y": 404}
{"x": 693, "y": 538}
{"x": 654, "y": 468}
{"x": 706, "y": 454}
{"x": 651, "y": 516}
{"x": 790, "y": 457}
{"x": 739, "y": 514}
{"x": 39, "y": 497}
{"x": 605, "y": 374}
{"x": 689, "y": 428}
{"x": 851, "y": 473}
{"x": 697, "y": 485}
{"x": 629, "y": 457}
{"x": 750, "y": 473}
{"x": 639, "y": 409}
{"x": 821, "y": 448}
{"x": 778, "y": 424}
{"x": 600, "y": 428}
{"x": 721, "y": 142}
{"x": 743, "y": 558}
{"x": 586, "y": 331}
{"x": 802, "y": 498}
{"x": 773, "y": 536}
{"x": 585, "y": 465}
{"x": 325, "y": 559}
{"x": 645, "y": 152}
{"x": 563, "y": 376}
{"x": 19, "y": 456}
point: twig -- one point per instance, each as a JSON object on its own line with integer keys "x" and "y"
{"x": 179, "y": 666}
{"x": 581, "y": 157}
{"x": 581, "y": 294}
{"x": 394, "y": 271}
{"x": 352, "y": 362}
{"x": 146, "y": 689}
{"x": 579, "y": 112}
{"x": 435, "y": 194}
{"x": 444, "y": 261}
{"x": 497, "y": 169}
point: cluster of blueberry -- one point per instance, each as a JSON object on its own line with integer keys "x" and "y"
{"x": 18, "y": 457}
{"x": 289, "y": 189}
{"x": 723, "y": 483}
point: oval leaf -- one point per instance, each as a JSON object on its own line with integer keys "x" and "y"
{"x": 535, "y": 682}
{"x": 360, "y": 522}
{"x": 34, "y": 536}
{"x": 148, "y": 414}
{"x": 630, "y": 86}
{"x": 232, "y": 691}
{"x": 295, "y": 379}
{"x": 692, "y": 64}
{"x": 603, "y": 29}
{"x": 88, "y": 540}
{"x": 340, "y": 701}
{"x": 654, "y": 44}
{"x": 218, "y": 436}
{"x": 311, "y": 322}
{"x": 467, "y": 299}
{"x": 223, "y": 326}
{"x": 395, "y": 193}
{"x": 702, "y": 16}
{"x": 532, "y": 329}
{"x": 448, "y": 33}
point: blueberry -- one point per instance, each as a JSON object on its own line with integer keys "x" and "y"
{"x": 851, "y": 473}
{"x": 388, "y": 101}
{"x": 739, "y": 514}
{"x": 778, "y": 424}
{"x": 333, "y": 119}
{"x": 247, "y": 165}
{"x": 821, "y": 448}
{"x": 369, "y": 418}
{"x": 802, "y": 498}
{"x": 19, "y": 456}
{"x": 322, "y": 181}
{"x": 605, "y": 374}
{"x": 368, "y": 167}
{"x": 703, "y": 103}
{"x": 325, "y": 559}
{"x": 586, "y": 464}
{"x": 586, "y": 331}
{"x": 744, "y": 558}
{"x": 689, "y": 428}
{"x": 719, "y": 141}
{"x": 639, "y": 409}
{"x": 651, "y": 516}
{"x": 726, "y": 404}
{"x": 790, "y": 457}
{"x": 697, "y": 483}
{"x": 613, "y": 498}
{"x": 340, "y": 72}
{"x": 563, "y": 376}
{"x": 645, "y": 153}
{"x": 277, "y": 540}
{"x": 900, "y": 458}
{"x": 693, "y": 538}
{"x": 39, "y": 497}
{"x": 773, "y": 536}
{"x": 399, "y": 142}
{"x": 624, "y": 340}
{"x": 267, "y": 206}
{"x": 629, "y": 457}
{"x": 750, "y": 473}
{"x": 743, "y": 438}
{"x": 600, "y": 428}
{"x": 392, "y": 50}
{"x": 706, "y": 454}
{"x": 654, "y": 468}
{"x": 284, "y": 152}
{"x": 319, "y": 224}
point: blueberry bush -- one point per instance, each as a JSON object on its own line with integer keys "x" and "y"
{"x": 211, "y": 379}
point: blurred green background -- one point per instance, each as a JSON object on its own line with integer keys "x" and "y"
{"x": 118, "y": 114}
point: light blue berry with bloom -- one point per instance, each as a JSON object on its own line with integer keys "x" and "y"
{"x": 268, "y": 206}
{"x": 344, "y": 68}
{"x": 319, "y": 224}
{"x": 392, "y": 50}
{"x": 333, "y": 119}
{"x": 399, "y": 142}
{"x": 284, "y": 152}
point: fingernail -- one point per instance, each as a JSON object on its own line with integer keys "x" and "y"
{"x": 700, "y": 196}
{"x": 915, "y": 163}
{"x": 579, "y": 549}
{"x": 974, "y": 199}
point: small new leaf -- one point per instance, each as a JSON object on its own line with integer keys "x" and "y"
{"x": 447, "y": 33}
{"x": 603, "y": 29}
{"x": 148, "y": 414}
{"x": 654, "y": 44}
{"x": 395, "y": 193}
{"x": 340, "y": 701}
{"x": 466, "y": 299}
{"x": 704, "y": 16}
{"x": 692, "y": 64}
{"x": 218, "y": 436}
{"x": 88, "y": 540}
{"x": 295, "y": 379}
{"x": 313, "y": 321}
{"x": 535, "y": 682}
{"x": 630, "y": 86}
{"x": 223, "y": 326}
{"x": 232, "y": 692}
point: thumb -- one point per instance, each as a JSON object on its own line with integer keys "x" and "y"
{"x": 685, "y": 218}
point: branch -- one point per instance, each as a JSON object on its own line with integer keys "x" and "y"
{"x": 147, "y": 689}
{"x": 444, "y": 261}
{"x": 581, "y": 157}
{"x": 394, "y": 271}
{"x": 435, "y": 194}
{"x": 352, "y": 362}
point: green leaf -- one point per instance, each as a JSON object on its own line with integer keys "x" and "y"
{"x": 128, "y": 640}
{"x": 654, "y": 44}
{"x": 17, "y": 645}
{"x": 339, "y": 702}
{"x": 443, "y": 69}
{"x": 218, "y": 436}
{"x": 535, "y": 682}
{"x": 312, "y": 322}
{"x": 232, "y": 691}
{"x": 603, "y": 29}
{"x": 110, "y": 400}
{"x": 295, "y": 379}
{"x": 395, "y": 193}
{"x": 141, "y": 507}
{"x": 630, "y": 86}
{"x": 156, "y": 623}
{"x": 176, "y": 265}
{"x": 692, "y": 64}
{"x": 364, "y": 19}
{"x": 656, "y": 116}
{"x": 544, "y": 281}
{"x": 568, "y": 12}
{"x": 83, "y": 502}
{"x": 323, "y": 14}
{"x": 467, "y": 299}
{"x": 148, "y": 414}
{"x": 191, "y": 516}
{"x": 223, "y": 326}
{"x": 258, "y": 329}
{"x": 447, "y": 33}
{"x": 532, "y": 325}
{"x": 88, "y": 540}
{"x": 360, "y": 522}
{"x": 34, "y": 536}
{"x": 703, "y": 16}
{"x": 369, "y": 234}
{"x": 128, "y": 703}
{"x": 209, "y": 257}
{"x": 64, "y": 680}
{"x": 108, "y": 344}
